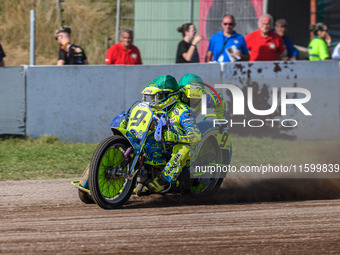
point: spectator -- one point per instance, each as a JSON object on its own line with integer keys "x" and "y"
{"x": 317, "y": 48}
{"x": 69, "y": 53}
{"x": 263, "y": 44}
{"x": 2, "y": 55}
{"x": 281, "y": 29}
{"x": 124, "y": 52}
{"x": 186, "y": 50}
{"x": 227, "y": 45}
{"x": 336, "y": 52}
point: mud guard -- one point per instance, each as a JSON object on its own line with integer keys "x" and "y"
{"x": 135, "y": 144}
{"x": 129, "y": 136}
{"x": 222, "y": 137}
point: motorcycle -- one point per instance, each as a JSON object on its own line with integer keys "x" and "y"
{"x": 125, "y": 163}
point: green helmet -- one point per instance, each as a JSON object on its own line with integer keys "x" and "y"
{"x": 161, "y": 92}
{"x": 190, "y": 79}
{"x": 191, "y": 87}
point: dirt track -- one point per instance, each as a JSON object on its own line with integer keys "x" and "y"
{"x": 46, "y": 217}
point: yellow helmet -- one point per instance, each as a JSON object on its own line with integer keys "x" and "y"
{"x": 191, "y": 87}
{"x": 161, "y": 92}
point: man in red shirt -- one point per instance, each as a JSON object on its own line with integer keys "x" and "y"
{"x": 123, "y": 52}
{"x": 263, "y": 44}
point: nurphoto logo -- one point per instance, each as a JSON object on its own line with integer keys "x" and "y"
{"x": 239, "y": 105}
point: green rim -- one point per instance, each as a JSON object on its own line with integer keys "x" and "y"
{"x": 109, "y": 186}
{"x": 199, "y": 188}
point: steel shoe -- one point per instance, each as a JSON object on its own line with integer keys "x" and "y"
{"x": 158, "y": 184}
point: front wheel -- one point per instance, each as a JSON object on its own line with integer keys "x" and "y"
{"x": 108, "y": 186}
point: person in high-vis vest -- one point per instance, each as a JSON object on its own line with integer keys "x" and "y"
{"x": 319, "y": 46}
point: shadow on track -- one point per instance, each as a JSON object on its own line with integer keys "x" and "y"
{"x": 249, "y": 191}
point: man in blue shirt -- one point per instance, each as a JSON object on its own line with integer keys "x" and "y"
{"x": 281, "y": 29}
{"x": 227, "y": 45}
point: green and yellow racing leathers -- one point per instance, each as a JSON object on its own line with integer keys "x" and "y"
{"x": 182, "y": 133}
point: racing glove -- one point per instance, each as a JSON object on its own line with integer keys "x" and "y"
{"x": 219, "y": 112}
{"x": 170, "y": 136}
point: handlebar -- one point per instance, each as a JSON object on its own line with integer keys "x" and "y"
{"x": 209, "y": 115}
{"x": 162, "y": 121}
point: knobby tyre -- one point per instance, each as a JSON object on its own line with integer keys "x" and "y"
{"x": 109, "y": 190}
{"x": 209, "y": 152}
{"x": 85, "y": 197}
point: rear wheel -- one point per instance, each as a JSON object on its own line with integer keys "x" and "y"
{"x": 109, "y": 188}
{"x": 208, "y": 153}
{"x": 85, "y": 197}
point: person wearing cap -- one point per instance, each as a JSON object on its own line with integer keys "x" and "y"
{"x": 69, "y": 53}
{"x": 124, "y": 52}
{"x": 281, "y": 29}
{"x": 227, "y": 45}
{"x": 263, "y": 44}
{"x": 318, "y": 46}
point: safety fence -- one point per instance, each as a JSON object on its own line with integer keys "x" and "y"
{"x": 77, "y": 103}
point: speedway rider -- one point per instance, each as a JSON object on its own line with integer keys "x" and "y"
{"x": 164, "y": 93}
{"x": 192, "y": 87}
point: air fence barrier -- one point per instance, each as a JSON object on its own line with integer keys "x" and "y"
{"x": 77, "y": 103}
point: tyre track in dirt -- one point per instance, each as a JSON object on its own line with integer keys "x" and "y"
{"x": 247, "y": 216}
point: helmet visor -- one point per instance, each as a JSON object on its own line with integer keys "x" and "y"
{"x": 158, "y": 97}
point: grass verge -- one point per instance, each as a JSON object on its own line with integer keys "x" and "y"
{"x": 47, "y": 157}
{"x": 43, "y": 158}
{"x": 248, "y": 151}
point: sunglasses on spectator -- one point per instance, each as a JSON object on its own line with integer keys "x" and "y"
{"x": 230, "y": 24}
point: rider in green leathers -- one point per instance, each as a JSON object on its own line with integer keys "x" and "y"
{"x": 164, "y": 93}
{"x": 192, "y": 88}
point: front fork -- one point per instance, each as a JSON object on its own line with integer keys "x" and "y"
{"x": 141, "y": 176}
